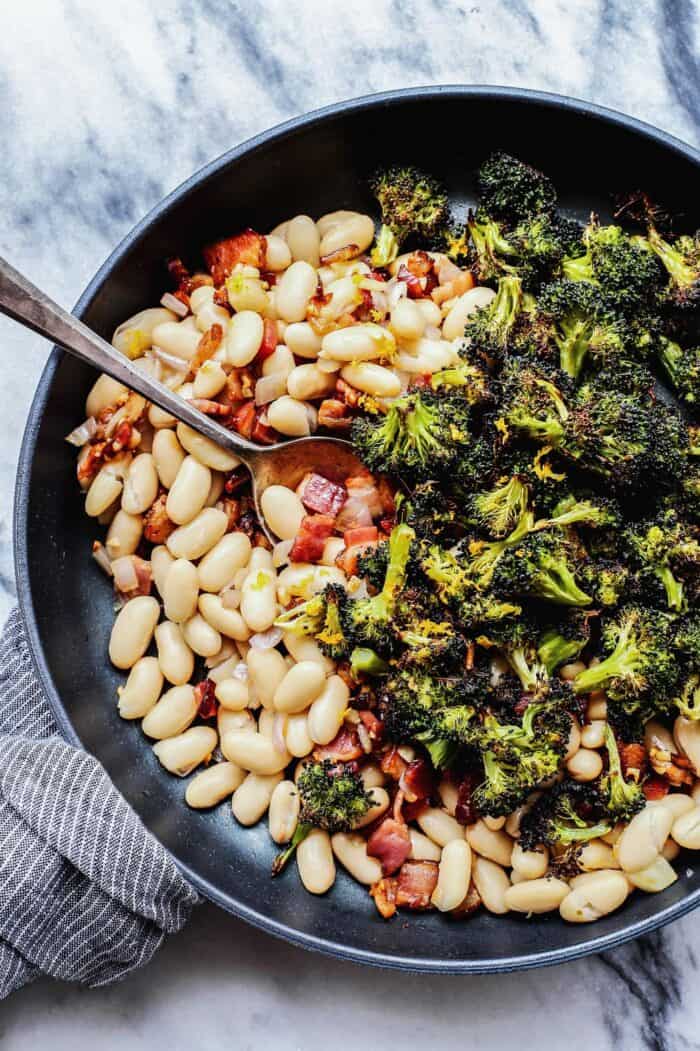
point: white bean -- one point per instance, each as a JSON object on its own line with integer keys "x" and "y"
{"x": 593, "y": 734}
{"x": 135, "y": 335}
{"x": 439, "y": 826}
{"x": 454, "y": 874}
{"x": 173, "y": 713}
{"x": 289, "y": 416}
{"x": 232, "y": 694}
{"x": 496, "y": 846}
{"x": 296, "y": 736}
{"x": 193, "y": 540}
{"x": 142, "y": 689}
{"x": 294, "y": 290}
{"x": 315, "y": 862}
{"x": 586, "y": 765}
{"x": 277, "y": 254}
{"x": 686, "y": 829}
{"x": 407, "y": 320}
{"x": 677, "y": 803}
{"x": 233, "y": 722}
{"x": 255, "y": 752}
{"x": 161, "y": 561}
{"x": 105, "y": 488}
{"x": 465, "y": 305}
{"x": 104, "y": 393}
{"x": 124, "y": 534}
{"x": 181, "y": 754}
{"x": 643, "y": 839}
{"x": 687, "y": 736}
{"x": 205, "y": 450}
{"x": 284, "y": 811}
{"x": 189, "y": 491}
{"x": 180, "y": 591}
{"x": 351, "y": 851}
{"x": 379, "y": 805}
{"x": 530, "y": 864}
{"x": 363, "y": 342}
{"x": 252, "y": 798}
{"x": 303, "y": 240}
{"x": 303, "y": 648}
{"x": 422, "y": 848}
{"x": 132, "y": 631}
{"x": 201, "y": 638}
{"x": 372, "y": 379}
{"x": 175, "y": 338}
{"x": 259, "y": 599}
{"x": 326, "y": 714}
{"x": 140, "y": 485}
{"x": 283, "y": 511}
{"x": 491, "y": 883}
{"x": 302, "y": 684}
{"x": 168, "y": 455}
{"x": 536, "y": 895}
{"x": 219, "y": 566}
{"x": 244, "y": 338}
{"x": 302, "y": 340}
{"x": 175, "y": 658}
{"x": 350, "y": 230}
{"x": 227, "y": 622}
{"x": 212, "y": 785}
{"x": 596, "y": 855}
{"x": 655, "y": 877}
{"x": 596, "y": 898}
{"x": 267, "y": 669}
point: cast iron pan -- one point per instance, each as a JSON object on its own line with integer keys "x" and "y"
{"x": 312, "y": 164}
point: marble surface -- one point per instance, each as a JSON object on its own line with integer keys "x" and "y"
{"x": 103, "y": 109}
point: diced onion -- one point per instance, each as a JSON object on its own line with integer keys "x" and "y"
{"x": 171, "y": 360}
{"x": 266, "y": 640}
{"x": 380, "y": 302}
{"x": 82, "y": 434}
{"x": 240, "y": 672}
{"x": 171, "y": 302}
{"x": 99, "y": 553}
{"x": 365, "y": 739}
{"x": 280, "y": 553}
{"x": 125, "y": 578}
{"x": 269, "y": 388}
{"x": 432, "y": 332}
{"x": 395, "y": 290}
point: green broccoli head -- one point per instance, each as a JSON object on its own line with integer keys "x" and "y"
{"x": 412, "y": 204}
{"x": 542, "y": 565}
{"x": 584, "y": 327}
{"x": 680, "y": 259}
{"x": 532, "y": 404}
{"x": 629, "y": 276}
{"x": 332, "y": 796}
{"x": 682, "y": 368}
{"x": 513, "y": 190}
{"x": 654, "y": 546}
{"x": 557, "y": 817}
{"x": 488, "y": 329}
{"x": 623, "y": 798}
{"x": 564, "y": 641}
{"x": 368, "y": 622}
{"x": 322, "y": 617}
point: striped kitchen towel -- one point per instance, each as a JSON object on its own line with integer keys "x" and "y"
{"x": 86, "y": 893}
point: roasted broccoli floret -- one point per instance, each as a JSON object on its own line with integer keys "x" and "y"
{"x": 434, "y": 711}
{"x": 623, "y": 798}
{"x": 584, "y": 327}
{"x": 488, "y": 329}
{"x": 466, "y": 378}
{"x": 517, "y": 642}
{"x": 457, "y": 589}
{"x": 682, "y": 368}
{"x": 641, "y": 666}
{"x": 420, "y": 437}
{"x": 656, "y": 547}
{"x": 565, "y": 641}
{"x": 687, "y": 699}
{"x": 629, "y": 276}
{"x": 498, "y": 510}
{"x": 606, "y": 580}
{"x": 412, "y": 204}
{"x": 543, "y": 566}
{"x": 432, "y": 513}
{"x": 533, "y": 405}
{"x": 492, "y": 255}
{"x": 512, "y": 190}
{"x": 368, "y": 622}
{"x": 321, "y": 616}
{"x": 434, "y": 645}
{"x": 372, "y": 564}
{"x": 556, "y": 818}
{"x": 681, "y": 260}
{"x": 543, "y": 240}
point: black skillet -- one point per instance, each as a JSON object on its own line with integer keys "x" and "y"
{"x": 312, "y": 164}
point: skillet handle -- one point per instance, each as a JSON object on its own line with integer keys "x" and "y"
{"x": 22, "y": 301}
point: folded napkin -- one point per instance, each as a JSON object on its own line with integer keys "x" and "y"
{"x": 86, "y": 893}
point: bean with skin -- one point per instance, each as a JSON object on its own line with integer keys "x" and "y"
{"x": 210, "y": 380}
{"x": 686, "y": 733}
{"x": 176, "y": 338}
{"x": 307, "y": 382}
{"x": 379, "y": 805}
{"x": 296, "y": 736}
{"x": 233, "y": 722}
{"x": 181, "y": 754}
{"x": 201, "y": 638}
{"x": 596, "y": 898}
{"x": 294, "y": 290}
{"x": 597, "y": 855}
{"x": 168, "y": 456}
{"x": 302, "y": 648}
{"x": 289, "y": 416}
{"x": 492, "y": 883}
{"x": 655, "y": 877}
{"x": 454, "y": 873}
{"x": 135, "y": 335}
{"x": 173, "y": 713}
{"x": 267, "y": 669}
{"x": 407, "y": 320}
{"x": 302, "y": 340}
{"x": 175, "y": 658}
{"x": 439, "y": 826}
{"x": 259, "y": 599}
{"x": 423, "y": 848}
{"x": 219, "y": 566}
{"x": 363, "y": 342}
{"x": 353, "y": 231}
{"x": 301, "y": 685}
{"x": 593, "y": 734}
{"x": 180, "y": 591}
{"x": 244, "y": 338}
{"x": 142, "y": 689}
{"x": 536, "y": 895}
{"x": 140, "y": 485}
{"x": 277, "y": 254}
{"x": 161, "y": 561}
{"x": 325, "y": 716}
{"x": 213, "y": 785}
{"x": 351, "y": 851}
{"x": 531, "y": 864}
{"x": 496, "y": 846}
{"x": 232, "y": 694}
{"x": 373, "y": 379}
{"x": 124, "y": 534}
{"x": 303, "y": 240}
{"x": 677, "y": 803}
{"x": 254, "y": 752}
{"x": 315, "y": 862}
{"x": 189, "y": 491}
{"x": 586, "y": 765}
{"x": 105, "y": 488}
{"x": 205, "y": 450}
{"x": 686, "y": 829}
{"x": 252, "y": 798}
{"x": 284, "y": 811}
{"x": 449, "y": 795}
{"x": 462, "y": 308}
{"x": 495, "y": 823}
{"x": 199, "y": 536}
{"x": 104, "y": 393}
{"x": 643, "y": 838}
{"x": 227, "y": 622}
{"x": 132, "y": 631}
{"x": 282, "y": 510}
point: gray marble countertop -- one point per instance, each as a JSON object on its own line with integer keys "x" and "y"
{"x": 104, "y": 108}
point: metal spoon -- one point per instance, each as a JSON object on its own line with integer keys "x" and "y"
{"x": 284, "y": 463}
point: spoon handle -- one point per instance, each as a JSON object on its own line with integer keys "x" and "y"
{"x": 22, "y": 301}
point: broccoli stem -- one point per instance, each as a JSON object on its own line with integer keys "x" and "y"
{"x": 623, "y": 663}
{"x": 301, "y": 832}
{"x": 675, "y": 595}
{"x": 556, "y": 582}
{"x": 364, "y": 661}
{"x": 681, "y": 272}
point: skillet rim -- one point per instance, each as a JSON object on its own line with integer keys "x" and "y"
{"x": 22, "y": 490}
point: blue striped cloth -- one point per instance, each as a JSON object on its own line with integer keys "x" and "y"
{"x": 86, "y": 893}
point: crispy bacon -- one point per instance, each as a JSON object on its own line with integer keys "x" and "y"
{"x": 384, "y": 894}
{"x": 344, "y": 748}
{"x": 373, "y": 725}
{"x": 418, "y": 273}
{"x": 157, "y": 527}
{"x": 205, "y": 696}
{"x": 416, "y": 882}
{"x": 211, "y": 408}
{"x": 655, "y": 787}
{"x": 269, "y": 341}
{"x": 392, "y": 764}
{"x": 416, "y": 781}
{"x": 207, "y": 347}
{"x": 236, "y": 480}
{"x": 243, "y": 419}
{"x": 311, "y": 539}
{"x": 390, "y": 843}
{"x": 346, "y": 393}
{"x": 240, "y": 386}
{"x": 248, "y": 247}
{"x": 232, "y": 509}
{"x": 180, "y": 275}
{"x": 633, "y": 759}
{"x": 323, "y": 496}
{"x": 262, "y": 432}
{"x": 333, "y": 415}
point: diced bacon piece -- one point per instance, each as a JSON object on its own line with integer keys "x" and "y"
{"x": 157, "y": 527}
{"x": 89, "y": 462}
{"x": 311, "y": 539}
{"x": 373, "y": 725}
{"x": 392, "y": 764}
{"x": 390, "y": 843}
{"x": 346, "y": 393}
{"x": 416, "y": 882}
{"x": 361, "y": 536}
{"x": 269, "y": 341}
{"x": 243, "y": 419}
{"x": 144, "y": 575}
{"x": 240, "y": 386}
{"x": 416, "y": 781}
{"x": 232, "y": 509}
{"x": 344, "y": 748}
{"x": 236, "y": 480}
{"x": 655, "y": 787}
{"x": 465, "y": 812}
{"x": 412, "y": 811}
{"x": 248, "y": 247}
{"x": 211, "y": 408}
{"x": 633, "y": 759}
{"x": 384, "y": 894}
{"x": 207, "y": 347}
{"x": 333, "y": 415}
{"x": 262, "y": 432}
{"x": 206, "y": 699}
{"x": 180, "y": 275}
{"x": 323, "y": 496}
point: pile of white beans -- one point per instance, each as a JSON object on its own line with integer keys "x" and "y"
{"x": 279, "y": 696}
